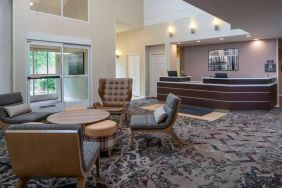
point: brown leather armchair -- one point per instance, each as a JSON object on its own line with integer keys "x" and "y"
{"x": 50, "y": 151}
{"x": 116, "y": 94}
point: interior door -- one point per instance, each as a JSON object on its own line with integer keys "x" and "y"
{"x": 158, "y": 69}
{"x": 133, "y": 71}
{"x": 44, "y": 76}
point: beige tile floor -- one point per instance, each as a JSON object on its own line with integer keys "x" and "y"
{"x": 209, "y": 117}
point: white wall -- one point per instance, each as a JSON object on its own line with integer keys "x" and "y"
{"x": 160, "y": 11}
{"x": 121, "y": 71}
{"x": 280, "y": 68}
{"x": 129, "y": 14}
{"x": 5, "y": 46}
{"x": 100, "y": 30}
{"x": 252, "y": 58}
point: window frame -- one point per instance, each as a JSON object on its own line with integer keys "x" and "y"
{"x": 62, "y": 45}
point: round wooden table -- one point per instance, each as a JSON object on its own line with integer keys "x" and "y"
{"x": 81, "y": 117}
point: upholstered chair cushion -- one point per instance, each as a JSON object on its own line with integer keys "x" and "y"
{"x": 11, "y": 99}
{"x": 171, "y": 107}
{"x": 18, "y": 109}
{"x": 160, "y": 114}
{"x": 112, "y": 110}
{"x": 145, "y": 122}
{"x": 115, "y": 92}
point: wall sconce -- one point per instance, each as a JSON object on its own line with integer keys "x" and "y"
{"x": 192, "y": 28}
{"x": 216, "y": 24}
{"x": 31, "y": 3}
{"x": 171, "y": 31}
{"x": 118, "y": 53}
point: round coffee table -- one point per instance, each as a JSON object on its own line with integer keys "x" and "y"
{"x": 81, "y": 117}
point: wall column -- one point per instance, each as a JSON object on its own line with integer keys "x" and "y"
{"x": 6, "y": 34}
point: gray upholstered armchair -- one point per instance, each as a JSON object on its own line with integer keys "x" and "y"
{"x": 13, "y": 99}
{"x": 115, "y": 94}
{"x": 50, "y": 151}
{"x": 147, "y": 123}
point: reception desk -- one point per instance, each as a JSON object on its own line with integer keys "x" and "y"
{"x": 224, "y": 93}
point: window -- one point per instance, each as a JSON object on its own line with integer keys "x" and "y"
{"x": 44, "y": 68}
{"x": 77, "y": 9}
{"x": 42, "y": 62}
{"x": 50, "y": 6}
{"x": 42, "y": 86}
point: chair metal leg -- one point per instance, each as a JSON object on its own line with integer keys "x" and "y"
{"x": 98, "y": 166}
{"x": 174, "y": 136}
{"x": 126, "y": 123}
{"x": 81, "y": 182}
{"x": 120, "y": 120}
{"x": 22, "y": 182}
{"x": 132, "y": 135}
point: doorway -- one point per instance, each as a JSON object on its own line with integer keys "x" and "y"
{"x": 133, "y": 71}
{"x": 58, "y": 76}
{"x": 157, "y": 70}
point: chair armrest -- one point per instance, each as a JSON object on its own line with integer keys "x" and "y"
{"x": 97, "y": 105}
{"x": 45, "y": 127}
{"x": 3, "y": 124}
{"x": 125, "y": 106}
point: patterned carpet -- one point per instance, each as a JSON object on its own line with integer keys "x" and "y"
{"x": 242, "y": 149}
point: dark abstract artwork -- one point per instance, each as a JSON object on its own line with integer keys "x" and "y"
{"x": 76, "y": 63}
{"x": 270, "y": 66}
{"x": 224, "y": 60}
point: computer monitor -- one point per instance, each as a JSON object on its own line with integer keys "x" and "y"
{"x": 221, "y": 75}
{"x": 172, "y": 73}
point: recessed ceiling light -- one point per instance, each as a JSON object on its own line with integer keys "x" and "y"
{"x": 221, "y": 39}
{"x": 248, "y": 36}
{"x": 198, "y": 41}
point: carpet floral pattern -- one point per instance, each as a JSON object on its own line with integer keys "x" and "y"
{"x": 242, "y": 149}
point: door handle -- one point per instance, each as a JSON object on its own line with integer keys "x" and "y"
{"x": 47, "y": 106}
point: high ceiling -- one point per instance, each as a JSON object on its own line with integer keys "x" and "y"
{"x": 261, "y": 18}
{"x": 161, "y": 11}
